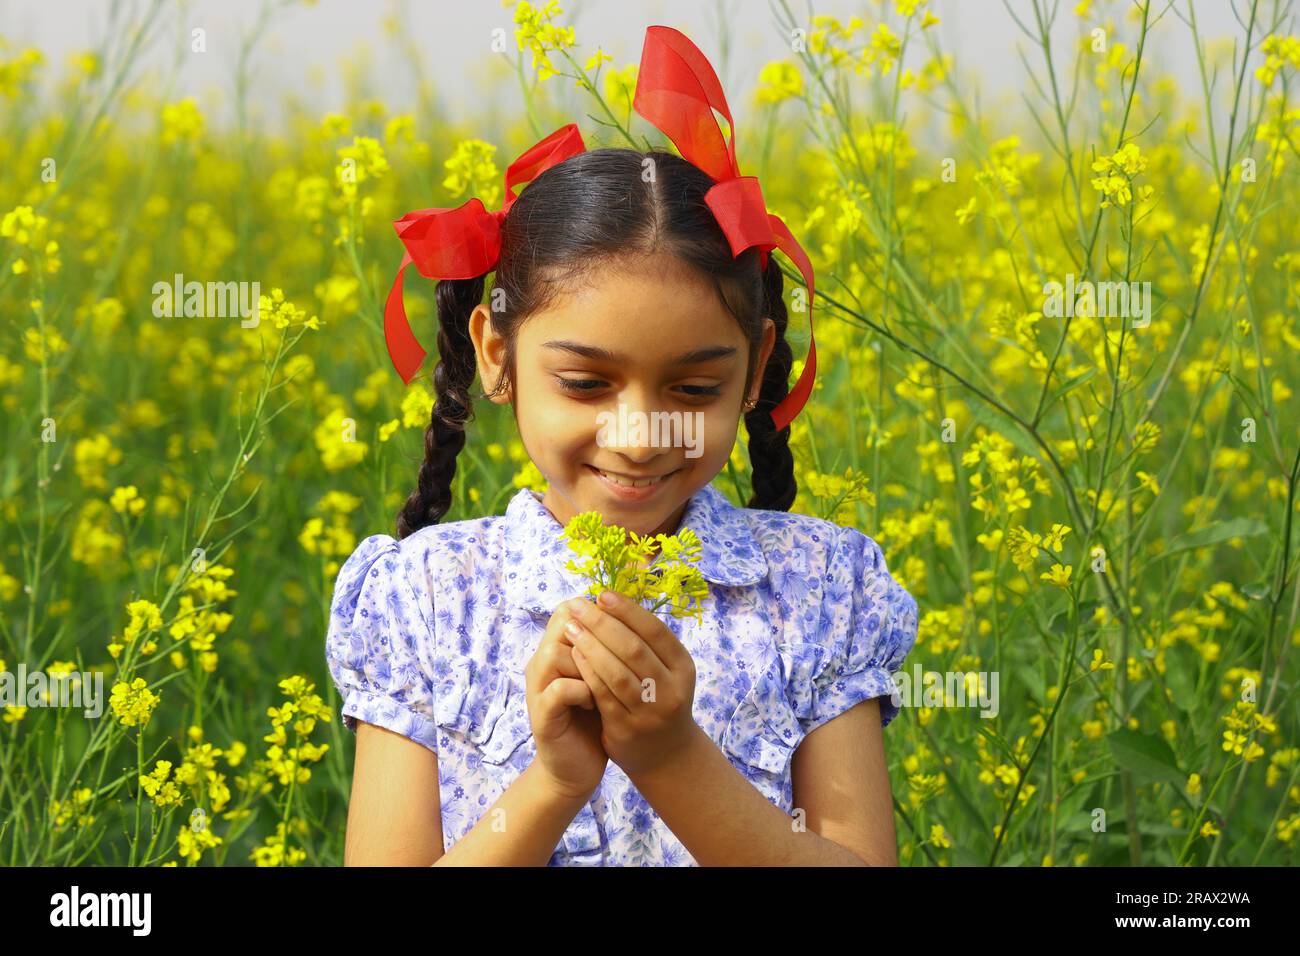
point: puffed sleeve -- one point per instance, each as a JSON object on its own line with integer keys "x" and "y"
{"x": 379, "y": 645}
{"x": 870, "y": 620}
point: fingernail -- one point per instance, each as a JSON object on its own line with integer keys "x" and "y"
{"x": 573, "y": 629}
{"x": 607, "y": 598}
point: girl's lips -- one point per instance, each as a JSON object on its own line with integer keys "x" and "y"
{"x": 628, "y": 493}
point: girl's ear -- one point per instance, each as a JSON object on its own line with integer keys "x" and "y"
{"x": 490, "y": 351}
{"x": 764, "y": 353}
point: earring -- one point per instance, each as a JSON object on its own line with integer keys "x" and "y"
{"x": 749, "y": 405}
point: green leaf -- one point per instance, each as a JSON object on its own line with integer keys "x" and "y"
{"x": 1213, "y": 534}
{"x": 1070, "y": 386}
{"x": 1181, "y": 667}
{"x": 1145, "y": 755}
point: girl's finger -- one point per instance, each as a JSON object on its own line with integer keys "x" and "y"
{"x": 559, "y": 661}
{"x": 594, "y": 673}
{"x": 623, "y": 642}
{"x": 664, "y": 647}
{"x": 548, "y": 664}
{"x": 567, "y": 692}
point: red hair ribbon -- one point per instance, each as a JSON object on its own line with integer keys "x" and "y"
{"x": 461, "y": 243}
{"x": 677, "y": 91}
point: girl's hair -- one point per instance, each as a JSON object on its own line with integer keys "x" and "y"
{"x": 583, "y": 214}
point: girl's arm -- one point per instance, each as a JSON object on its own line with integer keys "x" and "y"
{"x": 395, "y": 815}
{"x": 839, "y": 781}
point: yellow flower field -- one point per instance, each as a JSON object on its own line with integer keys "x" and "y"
{"x": 1057, "y": 354}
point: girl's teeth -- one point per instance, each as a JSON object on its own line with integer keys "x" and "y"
{"x": 627, "y": 482}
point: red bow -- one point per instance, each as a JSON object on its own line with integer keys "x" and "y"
{"x": 461, "y": 243}
{"x": 677, "y": 91}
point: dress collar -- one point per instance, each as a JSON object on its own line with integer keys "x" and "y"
{"x": 536, "y": 577}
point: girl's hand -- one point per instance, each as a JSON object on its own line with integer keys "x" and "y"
{"x": 562, "y": 711}
{"x": 641, "y": 676}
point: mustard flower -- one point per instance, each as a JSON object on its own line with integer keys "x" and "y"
{"x": 181, "y": 122}
{"x": 656, "y": 569}
{"x": 133, "y": 703}
{"x": 127, "y": 500}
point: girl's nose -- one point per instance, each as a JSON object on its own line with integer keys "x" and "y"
{"x": 637, "y": 431}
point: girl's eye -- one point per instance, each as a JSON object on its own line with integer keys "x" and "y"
{"x": 590, "y": 384}
{"x": 701, "y": 390}
{"x": 578, "y": 384}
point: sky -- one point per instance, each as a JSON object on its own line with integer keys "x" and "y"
{"x": 300, "y": 53}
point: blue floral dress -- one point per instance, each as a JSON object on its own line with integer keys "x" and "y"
{"x": 429, "y": 637}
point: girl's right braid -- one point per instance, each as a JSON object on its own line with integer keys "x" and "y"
{"x": 452, "y": 408}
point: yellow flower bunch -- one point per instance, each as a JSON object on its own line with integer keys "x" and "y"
{"x": 158, "y": 788}
{"x": 779, "y": 80}
{"x": 302, "y": 710}
{"x": 333, "y": 539}
{"x": 1241, "y": 721}
{"x": 94, "y": 541}
{"x": 615, "y": 559}
{"x": 133, "y": 703}
{"x": 283, "y": 312}
{"x": 851, "y": 486}
{"x": 198, "y": 772}
{"x": 143, "y": 618}
{"x": 274, "y": 852}
{"x": 529, "y": 476}
{"x": 417, "y": 407}
{"x": 1059, "y": 575}
{"x": 62, "y": 812}
{"x": 923, "y": 787}
{"x": 363, "y": 159}
{"x": 127, "y": 500}
{"x": 883, "y": 50}
{"x": 92, "y": 457}
{"x": 181, "y": 122}
{"x": 29, "y": 229}
{"x": 195, "y": 622}
{"x": 1278, "y": 52}
{"x": 1023, "y": 545}
{"x": 536, "y": 31}
{"x": 41, "y": 349}
{"x": 192, "y": 842}
{"x": 337, "y": 452}
{"x": 210, "y": 584}
{"x": 830, "y": 37}
{"x": 201, "y": 627}
{"x": 17, "y": 72}
{"x": 472, "y": 171}
{"x": 1117, "y": 171}
{"x": 620, "y": 86}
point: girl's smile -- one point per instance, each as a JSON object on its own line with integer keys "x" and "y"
{"x": 633, "y": 488}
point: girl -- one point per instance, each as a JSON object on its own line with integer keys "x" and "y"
{"x": 501, "y": 717}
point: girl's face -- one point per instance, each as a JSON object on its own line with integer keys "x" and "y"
{"x": 639, "y": 375}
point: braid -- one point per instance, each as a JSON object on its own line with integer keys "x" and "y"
{"x": 452, "y": 407}
{"x": 769, "y": 450}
